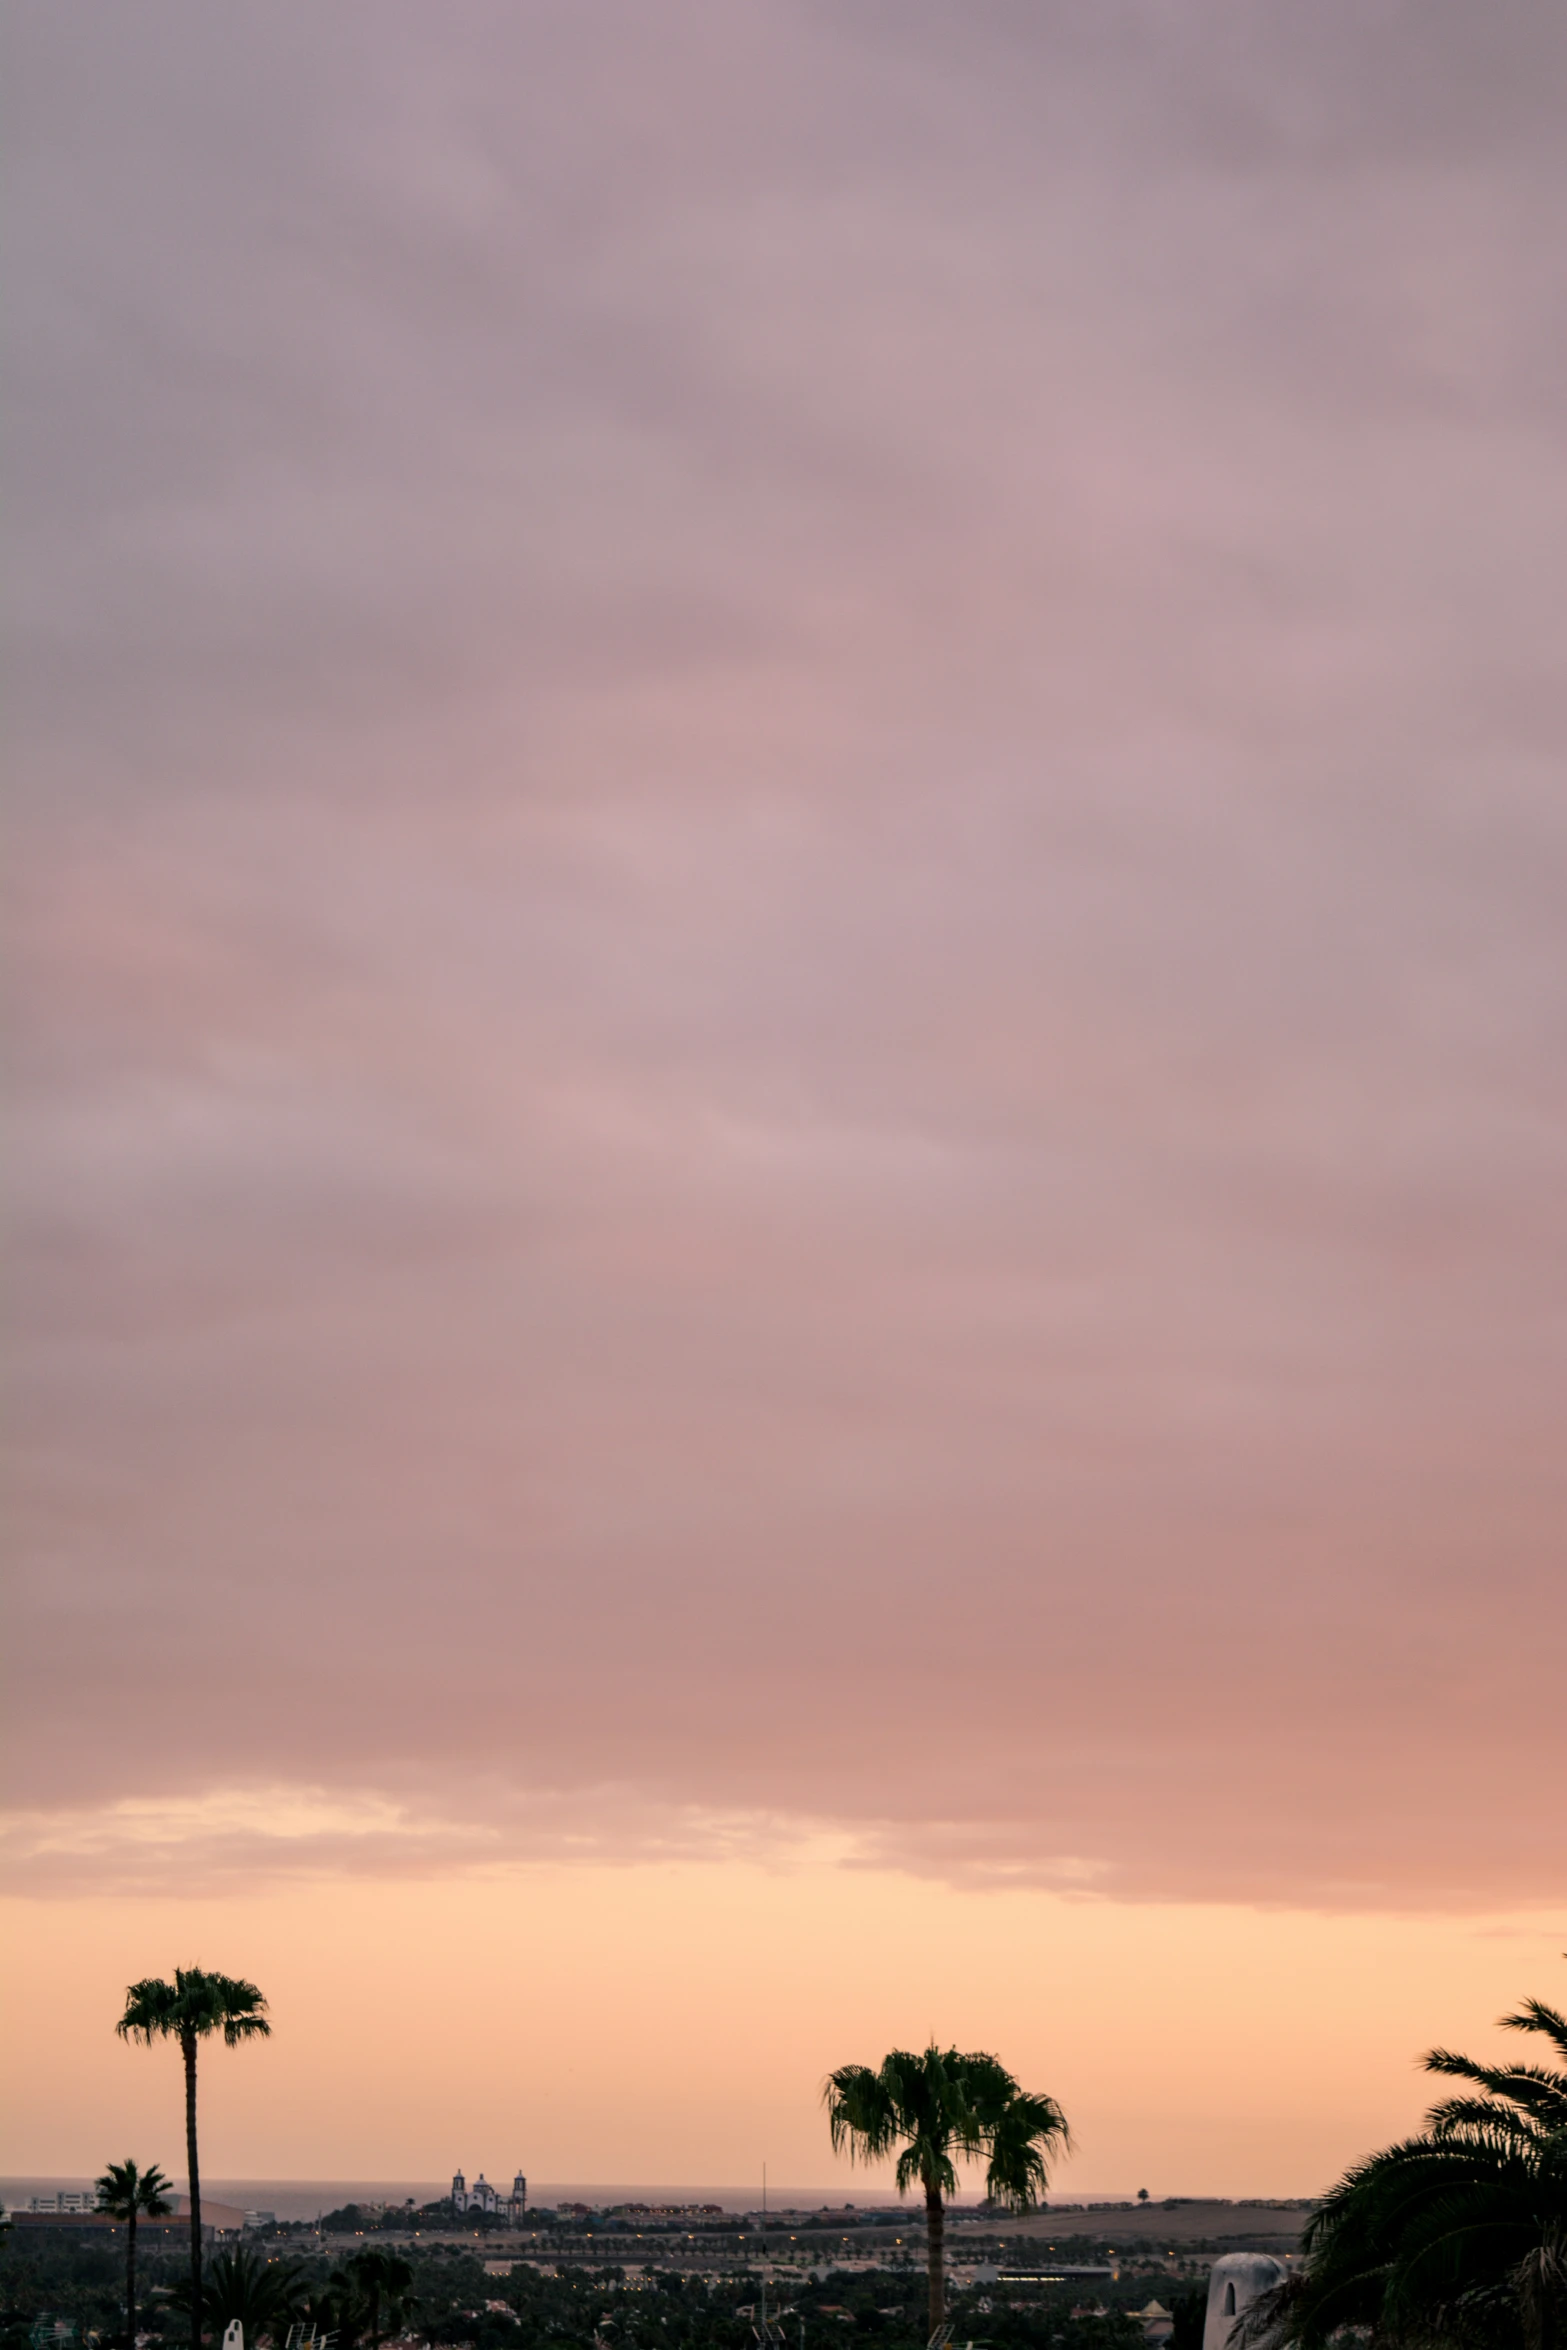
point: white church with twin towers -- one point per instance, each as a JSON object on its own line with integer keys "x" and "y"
{"x": 481, "y": 2196}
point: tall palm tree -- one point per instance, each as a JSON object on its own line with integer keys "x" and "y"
{"x": 1455, "y": 2237}
{"x": 190, "y": 2009}
{"x": 385, "y": 2280}
{"x": 130, "y": 2194}
{"x": 940, "y": 2108}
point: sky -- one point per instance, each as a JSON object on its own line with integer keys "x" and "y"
{"x": 786, "y": 1014}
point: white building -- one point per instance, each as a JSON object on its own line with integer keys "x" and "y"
{"x": 1234, "y": 2283}
{"x": 481, "y": 2196}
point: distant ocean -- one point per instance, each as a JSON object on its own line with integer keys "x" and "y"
{"x": 306, "y": 2198}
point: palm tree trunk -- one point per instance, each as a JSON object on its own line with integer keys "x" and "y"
{"x": 188, "y": 2050}
{"x": 130, "y": 2279}
{"x": 935, "y": 2231}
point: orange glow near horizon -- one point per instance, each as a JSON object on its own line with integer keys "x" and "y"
{"x": 674, "y": 2024}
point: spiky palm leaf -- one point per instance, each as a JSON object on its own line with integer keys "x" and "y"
{"x": 265, "y": 2295}
{"x": 1455, "y": 2239}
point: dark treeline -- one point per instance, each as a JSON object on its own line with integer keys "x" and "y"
{"x": 77, "y": 2285}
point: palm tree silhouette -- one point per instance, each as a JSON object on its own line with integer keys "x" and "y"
{"x": 385, "y": 2281}
{"x": 937, "y": 2106}
{"x": 265, "y": 2295}
{"x": 190, "y": 2009}
{"x": 1455, "y": 2235}
{"x": 126, "y": 2193}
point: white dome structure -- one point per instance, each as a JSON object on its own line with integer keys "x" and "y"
{"x": 1234, "y": 2283}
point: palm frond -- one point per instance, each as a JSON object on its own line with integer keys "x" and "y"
{"x": 1454, "y": 2239}
{"x": 264, "y": 2295}
{"x": 1531, "y": 2085}
{"x": 861, "y": 2117}
{"x": 127, "y": 2192}
{"x": 1024, "y": 2136}
{"x": 1535, "y": 2016}
{"x": 1463, "y": 2068}
{"x": 1482, "y": 2116}
{"x": 149, "y": 2011}
{"x": 196, "y": 2003}
{"x": 925, "y": 2164}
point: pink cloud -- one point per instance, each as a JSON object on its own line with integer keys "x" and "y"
{"x": 788, "y": 942}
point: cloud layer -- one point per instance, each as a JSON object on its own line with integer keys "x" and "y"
{"x": 788, "y": 988}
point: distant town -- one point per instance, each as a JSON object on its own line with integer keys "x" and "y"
{"x": 1108, "y": 2244}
